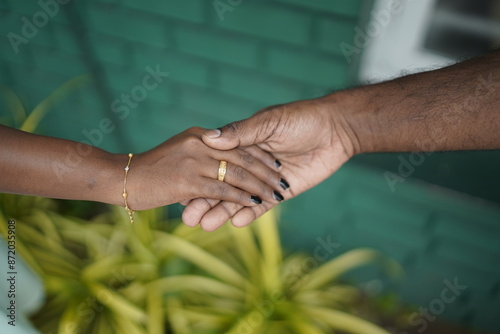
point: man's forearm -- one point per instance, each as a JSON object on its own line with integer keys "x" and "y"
{"x": 58, "y": 168}
{"x": 454, "y": 108}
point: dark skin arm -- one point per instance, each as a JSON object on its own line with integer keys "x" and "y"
{"x": 454, "y": 108}
{"x": 52, "y": 167}
{"x": 179, "y": 169}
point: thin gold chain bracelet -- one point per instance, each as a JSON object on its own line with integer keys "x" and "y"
{"x": 125, "y": 194}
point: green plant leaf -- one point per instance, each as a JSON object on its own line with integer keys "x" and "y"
{"x": 267, "y": 233}
{"x": 338, "y": 266}
{"x": 70, "y": 322}
{"x": 234, "y": 274}
{"x": 124, "y": 324}
{"x": 247, "y": 250}
{"x": 34, "y": 118}
{"x": 196, "y": 283}
{"x": 46, "y": 224}
{"x": 246, "y": 324}
{"x": 302, "y": 325}
{"x": 119, "y": 305}
{"x": 201, "y": 258}
{"x": 53, "y": 265}
{"x": 176, "y": 313}
{"x": 343, "y": 321}
{"x": 14, "y": 105}
{"x": 203, "y": 320}
{"x": 156, "y": 319}
{"x": 54, "y": 248}
{"x": 99, "y": 269}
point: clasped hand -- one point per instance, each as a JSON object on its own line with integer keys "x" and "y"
{"x": 183, "y": 168}
{"x": 305, "y": 137}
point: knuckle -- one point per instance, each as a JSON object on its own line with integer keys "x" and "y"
{"x": 244, "y": 218}
{"x": 247, "y": 158}
{"x": 266, "y": 192}
{"x": 195, "y": 129}
{"x": 187, "y": 163}
{"x": 242, "y": 197}
{"x": 232, "y": 127}
{"x": 239, "y": 173}
{"x": 221, "y": 189}
{"x": 273, "y": 178}
{"x": 187, "y": 186}
{"x": 189, "y": 160}
{"x": 228, "y": 209}
{"x": 191, "y": 142}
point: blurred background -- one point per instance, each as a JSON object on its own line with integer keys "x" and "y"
{"x": 227, "y": 59}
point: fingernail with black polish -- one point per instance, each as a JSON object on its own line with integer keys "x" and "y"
{"x": 255, "y": 199}
{"x": 278, "y": 196}
{"x": 284, "y": 184}
{"x": 277, "y": 163}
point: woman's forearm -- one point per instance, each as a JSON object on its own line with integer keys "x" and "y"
{"x": 52, "y": 167}
{"x": 454, "y": 108}
{"x": 179, "y": 169}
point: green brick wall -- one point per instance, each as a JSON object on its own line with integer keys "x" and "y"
{"x": 262, "y": 52}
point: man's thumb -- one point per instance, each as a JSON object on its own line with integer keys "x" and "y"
{"x": 240, "y": 133}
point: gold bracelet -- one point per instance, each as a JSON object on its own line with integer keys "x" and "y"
{"x": 125, "y": 194}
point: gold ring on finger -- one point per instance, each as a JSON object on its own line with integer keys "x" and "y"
{"x": 222, "y": 170}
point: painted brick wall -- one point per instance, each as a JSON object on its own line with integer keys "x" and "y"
{"x": 225, "y": 66}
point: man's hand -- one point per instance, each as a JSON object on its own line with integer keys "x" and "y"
{"x": 183, "y": 167}
{"x": 309, "y": 141}
{"x": 454, "y": 108}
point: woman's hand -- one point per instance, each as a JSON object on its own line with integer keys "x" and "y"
{"x": 183, "y": 168}
{"x": 180, "y": 169}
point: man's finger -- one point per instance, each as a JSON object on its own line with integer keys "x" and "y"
{"x": 254, "y": 130}
{"x": 194, "y": 212}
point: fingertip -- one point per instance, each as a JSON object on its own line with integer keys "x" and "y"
{"x": 225, "y": 138}
{"x": 255, "y": 199}
{"x": 212, "y": 134}
{"x": 210, "y": 224}
{"x": 243, "y": 218}
{"x": 209, "y": 228}
{"x": 240, "y": 223}
{"x": 188, "y": 219}
{"x": 284, "y": 184}
{"x": 277, "y": 196}
{"x": 220, "y": 143}
{"x": 194, "y": 212}
{"x": 185, "y": 202}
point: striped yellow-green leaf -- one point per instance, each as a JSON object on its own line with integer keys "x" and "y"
{"x": 342, "y": 321}
{"x": 34, "y": 118}
{"x": 336, "y": 267}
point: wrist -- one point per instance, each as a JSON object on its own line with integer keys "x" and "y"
{"x": 145, "y": 187}
{"x": 111, "y": 174}
{"x": 137, "y": 188}
{"x": 350, "y": 114}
